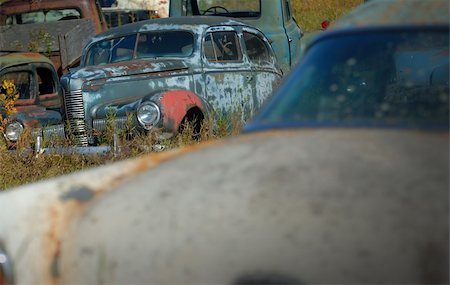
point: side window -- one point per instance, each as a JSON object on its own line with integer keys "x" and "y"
{"x": 222, "y": 47}
{"x": 46, "y": 83}
{"x": 256, "y": 49}
{"x": 22, "y": 80}
{"x": 43, "y": 16}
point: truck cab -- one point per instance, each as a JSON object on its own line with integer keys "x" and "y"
{"x": 56, "y": 28}
{"x": 39, "y": 107}
{"x": 273, "y": 17}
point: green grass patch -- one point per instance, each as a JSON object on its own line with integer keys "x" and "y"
{"x": 311, "y": 13}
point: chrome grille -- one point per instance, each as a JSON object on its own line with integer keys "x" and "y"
{"x": 75, "y": 115}
{"x": 101, "y": 124}
{"x": 49, "y": 133}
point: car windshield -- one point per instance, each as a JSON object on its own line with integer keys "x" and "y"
{"x": 231, "y": 8}
{"x": 22, "y": 81}
{"x": 385, "y": 78}
{"x": 149, "y": 45}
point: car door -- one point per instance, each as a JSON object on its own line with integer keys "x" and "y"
{"x": 228, "y": 78}
{"x": 266, "y": 73}
{"x": 39, "y": 100}
{"x": 293, "y": 32}
{"x": 48, "y": 88}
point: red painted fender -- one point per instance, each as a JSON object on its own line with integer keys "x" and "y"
{"x": 174, "y": 106}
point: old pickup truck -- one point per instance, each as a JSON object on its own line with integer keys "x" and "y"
{"x": 273, "y": 17}
{"x": 57, "y": 28}
{"x": 40, "y": 104}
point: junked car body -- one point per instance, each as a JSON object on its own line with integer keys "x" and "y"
{"x": 273, "y": 17}
{"x": 306, "y": 196}
{"x": 40, "y": 103}
{"x": 57, "y": 28}
{"x": 165, "y": 71}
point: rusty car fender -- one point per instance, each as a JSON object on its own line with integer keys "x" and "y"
{"x": 175, "y": 105}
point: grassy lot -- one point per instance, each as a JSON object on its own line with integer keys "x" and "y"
{"x": 22, "y": 166}
{"x": 311, "y": 13}
{"x": 25, "y": 167}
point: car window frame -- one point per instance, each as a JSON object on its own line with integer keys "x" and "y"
{"x": 32, "y": 100}
{"x": 194, "y": 42}
{"x": 267, "y": 45}
{"x": 13, "y": 16}
{"x": 228, "y": 63}
{"x": 87, "y": 49}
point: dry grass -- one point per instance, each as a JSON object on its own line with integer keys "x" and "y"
{"x": 311, "y": 13}
{"x": 23, "y": 166}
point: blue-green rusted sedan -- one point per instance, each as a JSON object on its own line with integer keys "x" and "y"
{"x": 162, "y": 72}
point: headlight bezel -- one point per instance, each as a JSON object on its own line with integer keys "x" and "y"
{"x": 6, "y": 268}
{"x": 13, "y": 131}
{"x": 148, "y": 124}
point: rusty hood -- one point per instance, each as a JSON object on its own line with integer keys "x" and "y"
{"x": 130, "y": 68}
{"x": 286, "y": 207}
{"x": 37, "y": 116}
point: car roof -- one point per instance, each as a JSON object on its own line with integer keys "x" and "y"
{"x": 8, "y": 59}
{"x": 176, "y": 21}
{"x": 382, "y": 13}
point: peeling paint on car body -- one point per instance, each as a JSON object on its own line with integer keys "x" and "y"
{"x": 274, "y": 19}
{"x": 222, "y": 87}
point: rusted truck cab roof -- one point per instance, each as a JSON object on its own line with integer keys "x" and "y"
{"x": 8, "y": 59}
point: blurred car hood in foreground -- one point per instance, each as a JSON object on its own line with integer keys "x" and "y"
{"x": 326, "y": 206}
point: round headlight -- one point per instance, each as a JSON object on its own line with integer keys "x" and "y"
{"x": 6, "y": 270}
{"x": 13, "y": 131}
{"x": 148, "y": 114}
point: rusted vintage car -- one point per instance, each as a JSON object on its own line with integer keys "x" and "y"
{"x": 165, "y": 71}
{"x": 351, "y": 190}
{"x": 273, "y": 17}
{"x": 40, "y": 105}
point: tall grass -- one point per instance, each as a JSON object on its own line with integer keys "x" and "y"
{"x": 311, "y": 13}
{"x": 23, "y": 165}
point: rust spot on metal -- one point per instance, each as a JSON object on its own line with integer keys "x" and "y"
{"x": 54, "y": 269}
{"x": 32, "y": 55}
{"x": 175, "y": 105}
{"x": 80, "y": 194}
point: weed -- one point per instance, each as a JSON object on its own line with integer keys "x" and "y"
{"x": 8, "y": 97}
